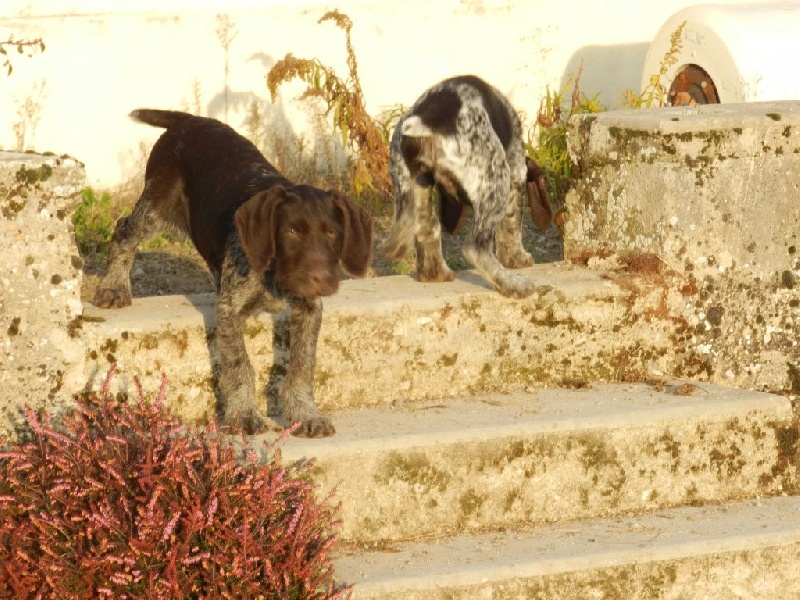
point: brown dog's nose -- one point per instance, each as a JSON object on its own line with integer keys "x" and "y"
{"x": 322, "y": 282}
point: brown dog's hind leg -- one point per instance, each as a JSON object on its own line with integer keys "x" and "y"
{"x": 114, "y": 289}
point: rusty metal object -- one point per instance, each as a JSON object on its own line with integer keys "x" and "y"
{"x": 692, "y": 86}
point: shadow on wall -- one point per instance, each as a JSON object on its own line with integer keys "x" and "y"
{"x": 621, "y": 64}
{"x": 313, "y": 153}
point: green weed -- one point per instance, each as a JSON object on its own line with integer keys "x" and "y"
{"x": 547, "y": 138}
{"x": 94, "y": 220}
{"x": 655, "y": 93}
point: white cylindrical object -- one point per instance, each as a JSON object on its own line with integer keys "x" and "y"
{"x": 748, "y": 50}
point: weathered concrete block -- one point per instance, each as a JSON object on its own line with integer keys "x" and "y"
{"x": 41, "y": 355}
{"x": 712, "y": 194}
{"x": 707, "y": 188}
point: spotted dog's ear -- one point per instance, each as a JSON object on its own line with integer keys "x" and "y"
{"x": 356, "y": 236}
{"x": 538, "y": 198}
{"x": 256, "y": 224}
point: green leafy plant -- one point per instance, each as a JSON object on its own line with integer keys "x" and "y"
{"x": 655, "y": 93}
{"x": 367, "y": 138}
{"x": 547, "y": 138}
{"x": 122, "y": 501}
{"x": 93, "y": 220}
{"x": 25, "y": 47}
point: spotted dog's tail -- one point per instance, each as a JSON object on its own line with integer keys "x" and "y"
{"x": 401, "y": 234}
{"x": 159, "y": 118}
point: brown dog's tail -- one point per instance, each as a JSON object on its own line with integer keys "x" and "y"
{"x": 159, "y": 118}
{"x": 538, "y": 197}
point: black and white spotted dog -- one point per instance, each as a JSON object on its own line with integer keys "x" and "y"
{"x": 463, "y": 137}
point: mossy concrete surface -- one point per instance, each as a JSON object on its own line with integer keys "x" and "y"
{"x": 503, "y": 461}
{"x": 707, "y": 188}
{"x": 394, "y": 340}
{"x": 712, "y": 195}
{"x": 739, "y": 550}
{"x": 41, "y": 354}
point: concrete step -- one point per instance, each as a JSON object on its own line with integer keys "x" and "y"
{"x": 392, "y": 339}
{"x": 504, "y": 461}
{"x": 498, "y": 434}
{"x": 746, "y": 549}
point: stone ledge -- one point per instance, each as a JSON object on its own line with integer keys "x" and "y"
{"x": 392, "y": 339}
{"x": 739, "y": 549}
{"x": 709, "y": 188}
{"x": 497, "y": 461}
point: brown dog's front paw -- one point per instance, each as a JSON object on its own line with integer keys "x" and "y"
{"x": 119, "y": 297}
{"x": 317, "y": 427}
{"x": 249, "y": 423}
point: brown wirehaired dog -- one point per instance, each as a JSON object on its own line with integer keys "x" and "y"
{"x": 268, "y": 243}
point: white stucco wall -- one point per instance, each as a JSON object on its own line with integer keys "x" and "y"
{"x": 104, "y": 59}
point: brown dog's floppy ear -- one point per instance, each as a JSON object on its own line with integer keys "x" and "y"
{"x": 538, "y": 198}
{"x": 255, "y": 222}
{"x": 357, "y": 236}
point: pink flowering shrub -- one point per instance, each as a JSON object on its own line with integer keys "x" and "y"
{"x": 122, "y": 501}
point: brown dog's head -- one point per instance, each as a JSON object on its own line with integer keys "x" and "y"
{"x": 538, "y": 198}
{"x": 306, "y": 232}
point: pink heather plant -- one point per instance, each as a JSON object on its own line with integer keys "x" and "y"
{"x": 121, "y": 501}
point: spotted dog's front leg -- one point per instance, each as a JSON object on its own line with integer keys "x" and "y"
{"x": 297, "y": 392}
{"x": 431, "y": 265}
{"x": 478, "y": 251}
{"x": 415, "y": 218}
{"x": 508, "y": 237}
{"x": 490, "y": 198}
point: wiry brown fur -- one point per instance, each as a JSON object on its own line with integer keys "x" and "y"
{"x": 268, "y": 243}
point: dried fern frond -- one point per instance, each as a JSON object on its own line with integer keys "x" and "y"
{"x": 344, "y": 101}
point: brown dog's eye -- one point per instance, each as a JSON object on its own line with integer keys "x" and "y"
{"x": 291, "y": 231}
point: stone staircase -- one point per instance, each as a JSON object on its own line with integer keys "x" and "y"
{"x": 496, "y": 448}
{"x": 595, "y": 440}
{"x": 618, "y": 491}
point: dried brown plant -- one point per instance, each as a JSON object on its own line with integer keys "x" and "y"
{"x": 344, "y": 99}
